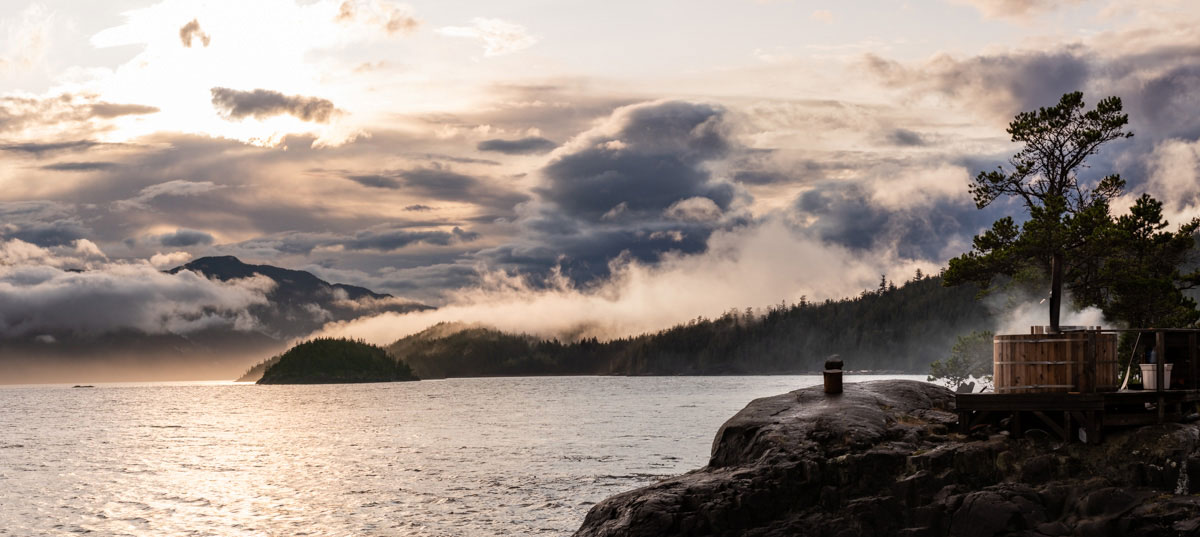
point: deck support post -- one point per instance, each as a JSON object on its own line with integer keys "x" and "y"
{"x": 1192, "y": 365}
{"x": 1160, "y": 350}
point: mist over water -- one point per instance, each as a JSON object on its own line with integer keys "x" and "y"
{"x": 498, "y": 456}
{"x": 758, "y": 266}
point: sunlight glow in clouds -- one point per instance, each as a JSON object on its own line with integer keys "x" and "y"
{"x": 264, "y": 46}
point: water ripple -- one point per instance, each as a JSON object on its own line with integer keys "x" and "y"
{"x": 511, "y": 456}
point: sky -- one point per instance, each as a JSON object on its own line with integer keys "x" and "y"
{"x": 546, "y": 166}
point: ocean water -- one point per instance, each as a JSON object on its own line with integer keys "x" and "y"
{"x": 487, "y": 456}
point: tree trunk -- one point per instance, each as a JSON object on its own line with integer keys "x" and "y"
{"x": 1056, "y": 270}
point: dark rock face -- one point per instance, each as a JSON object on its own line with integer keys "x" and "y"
{"x": 880, "y": 459}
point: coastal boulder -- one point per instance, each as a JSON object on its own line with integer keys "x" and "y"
{"x": 880, "y": 459}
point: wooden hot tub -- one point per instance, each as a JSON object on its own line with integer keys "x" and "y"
{"x": 1083, "y": 361}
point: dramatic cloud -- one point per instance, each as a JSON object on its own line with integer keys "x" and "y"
{"x": 38, "y": 295}
{"x": 596, "y": 166}
{"x": 532, "y": 145}
{"x": 646, "y": 157}
{"x": 191, "y": 32}
{"x": 183, "y": 238}
{"x": 636, "y": 185}
{"x": 499, "y": 37}
{"x": 262, "y": 104}
{"x": 42, "y": 223}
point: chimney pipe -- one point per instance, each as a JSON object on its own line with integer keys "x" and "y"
{"x": 833, "y": 375}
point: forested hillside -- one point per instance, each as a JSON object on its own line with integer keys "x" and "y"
{"x": 889, "y": 329}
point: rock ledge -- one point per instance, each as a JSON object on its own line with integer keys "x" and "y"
{"x": 880, "y": 459}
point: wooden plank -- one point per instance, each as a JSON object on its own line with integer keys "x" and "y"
{"x": 1088, "y": 383}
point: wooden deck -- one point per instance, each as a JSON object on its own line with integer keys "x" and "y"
{"x": 1073, "y": 416}
{"x": 1086, "y": 403}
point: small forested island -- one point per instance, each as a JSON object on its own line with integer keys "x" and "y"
{"x": 335, "y": 361}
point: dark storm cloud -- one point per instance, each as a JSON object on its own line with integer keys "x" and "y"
{"x": 1169, "y": 103}
{"x": 262, "y": 103}
{"x": 191, "y": 32}
{"x": 56, "y": 233}
{"x": 452, "y": 186}
{"x": 654, "y": 159}
{"x": 111, "y": 110}
{"x": 457, "y": 160}
{"x": 79, "y": 166}
{"x": 586, "y": 256}
{"x": 391, "y": 240}
{"x": 44, "y": 223}
{"x": 532, "y": 145}
{"x": 440, "y": 183}
{"x": 38, "y": 149}
{"x": 378, "y": 239}
{"x": 375, "y": 181}
{"x": 183, "y": 238}
{"x": 636, "y": 186}
{"x": 418, "y": 207}
{"x": 905, "y": 137}
{"x": 427, "y": 282}
{"x": 844, "y": 214}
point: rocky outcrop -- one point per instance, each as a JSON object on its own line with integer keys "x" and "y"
{"x": 880, "y": 459}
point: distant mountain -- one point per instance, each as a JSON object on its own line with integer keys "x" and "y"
{"x": 300, "y": 303}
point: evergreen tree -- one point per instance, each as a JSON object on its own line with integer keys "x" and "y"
{"x": 1043, "y": 176}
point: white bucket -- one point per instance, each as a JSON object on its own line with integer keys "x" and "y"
{"x": 1150, "y": 376}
